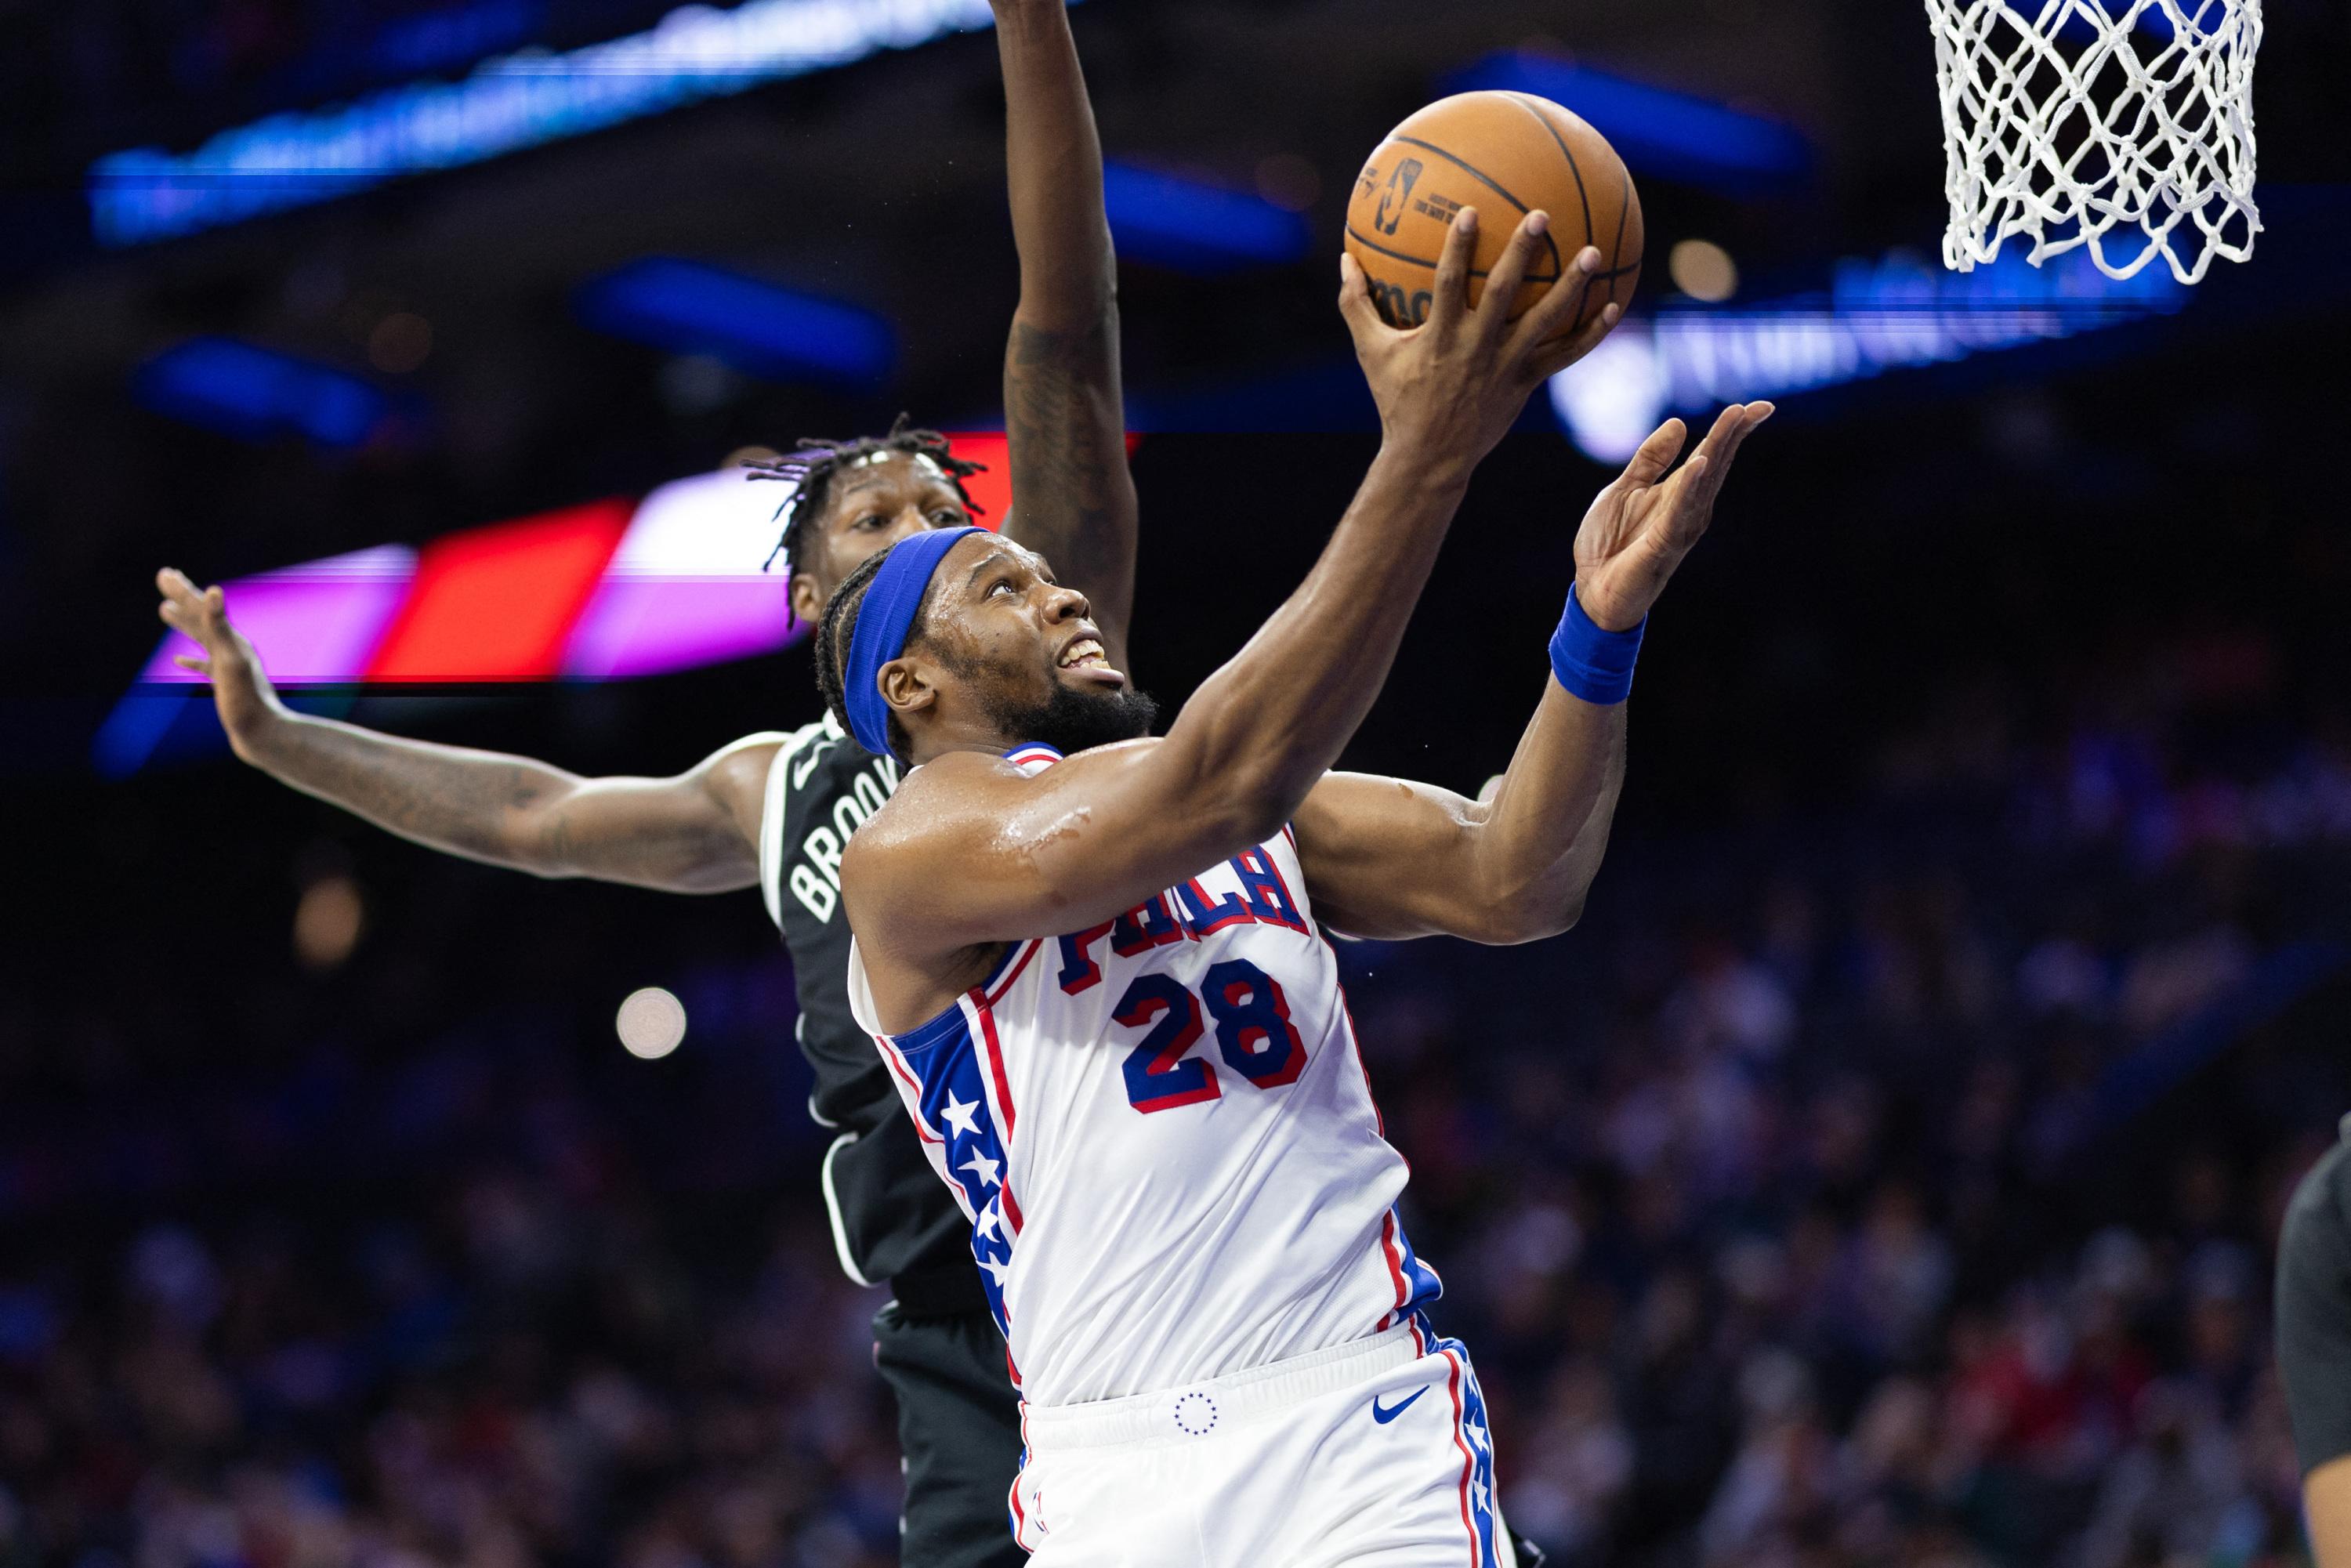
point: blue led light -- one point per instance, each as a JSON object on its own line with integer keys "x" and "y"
{"x": 689, "y": 307}
{"x": 511, "y": 102}
{"x": 1875, "y": 317}
{"x": 1654, "y": 131}
{"x": 1187, "y": 226}
{"x": 255, "y": 393}
{"x": 135, "y": 729}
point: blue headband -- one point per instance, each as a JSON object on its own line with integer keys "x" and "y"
{"x": 883, "y": 619}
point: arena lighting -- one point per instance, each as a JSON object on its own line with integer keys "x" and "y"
{"x": 516, "y": 100}
{"x": 499, "y": 603}
{"x": 676, "y": 594}
{"x": 651, "y": 1024}
{"x": 611, "y": 591}
{"x": 1876, "y": 317}
{"x": 759, "y": 329}
{"x": 1655, "y": 131}
{"x": 318, "y": 623}
{"x": 255, "y": 393}
{"x": 1185, "y": 226}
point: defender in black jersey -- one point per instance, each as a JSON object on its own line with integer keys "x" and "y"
{"x": 775, "y": 810}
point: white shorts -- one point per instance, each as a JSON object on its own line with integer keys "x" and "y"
{"x": 1370, "y": 1453}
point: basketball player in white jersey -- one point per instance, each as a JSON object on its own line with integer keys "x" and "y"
{"x": 1094, "y": 964}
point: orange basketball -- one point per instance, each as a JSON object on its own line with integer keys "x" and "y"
{"x": 1507, "y": 154}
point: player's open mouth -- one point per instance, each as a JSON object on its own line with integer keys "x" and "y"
{"x": 1086, "y": 659}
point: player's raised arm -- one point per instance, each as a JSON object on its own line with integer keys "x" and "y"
{"x": 695, "y": 834}
{"x": 1074, "y": 498}
{"x": 1389, "y": 859}
{"x": 971, "y": 850}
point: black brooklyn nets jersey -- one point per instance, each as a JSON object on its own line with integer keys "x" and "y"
{"x": 891, "y": 1215}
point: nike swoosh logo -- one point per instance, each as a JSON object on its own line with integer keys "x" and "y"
{"x": 1386, "y": 1416}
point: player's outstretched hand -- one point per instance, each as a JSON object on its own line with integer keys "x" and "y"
{"x": 1453, "y": 385}
{"x": 240, "y": 690}
{"x": 1643, "y": 525}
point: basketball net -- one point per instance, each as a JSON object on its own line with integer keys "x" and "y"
{"x": 2123, "y": 125}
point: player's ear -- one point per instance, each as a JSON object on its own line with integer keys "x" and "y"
{"x": 904, "y": 689}
{"x": 808, "y": 604}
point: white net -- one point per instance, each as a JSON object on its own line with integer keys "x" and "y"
{"x": 2126, "y": 125}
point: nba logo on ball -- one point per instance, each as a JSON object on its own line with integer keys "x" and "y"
{"x": 1507, "y": 154}
{"x": 1397, "y": 194}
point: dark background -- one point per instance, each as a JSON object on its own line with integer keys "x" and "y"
{"x": 1885, "y": 1172}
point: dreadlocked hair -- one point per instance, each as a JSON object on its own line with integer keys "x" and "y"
{"x": 836, "y": 633}
{"x": 812, "y": 466}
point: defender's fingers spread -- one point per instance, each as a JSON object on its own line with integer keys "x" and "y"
{"x": 189, "y": 661}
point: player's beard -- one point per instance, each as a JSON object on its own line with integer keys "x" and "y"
{"x": 1071, "y": 721}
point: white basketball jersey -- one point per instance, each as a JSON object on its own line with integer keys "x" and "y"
{"x": 1163, "y": 1132}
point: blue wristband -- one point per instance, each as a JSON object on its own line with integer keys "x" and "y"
{"x": 1591, "y": 663}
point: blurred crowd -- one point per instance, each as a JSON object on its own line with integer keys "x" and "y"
{"x": 1839, "y": 1235}
{"x": 1813, "y": 1203}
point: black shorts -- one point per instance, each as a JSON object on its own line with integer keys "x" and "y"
{"x": 959, "y": 1429}
{"x": 2313, "y": 1310}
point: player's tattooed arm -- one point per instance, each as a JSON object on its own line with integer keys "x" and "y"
{"x": 1073, "y": 497}
{"x": 695, "y": 834}
{"x": 1393, "y": 859}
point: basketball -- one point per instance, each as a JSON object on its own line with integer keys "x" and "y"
{"x": 1507, "y": 154}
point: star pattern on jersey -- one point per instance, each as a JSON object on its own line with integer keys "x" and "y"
{"x": 975, "y": 1151}
{"x": 1480, "y": 1495}
{"x": 958, "y": 1115}
{"x": 1477, "y": 1430}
